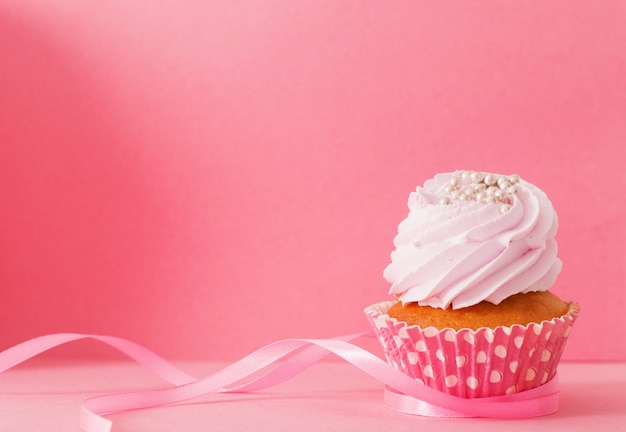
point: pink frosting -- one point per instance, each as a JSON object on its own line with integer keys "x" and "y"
{"x": 463, "y": 253}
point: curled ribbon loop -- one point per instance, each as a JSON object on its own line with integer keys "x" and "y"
{"x": 402, "y": 393}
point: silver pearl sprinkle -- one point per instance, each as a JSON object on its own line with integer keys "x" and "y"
{"x": 476, "y": 177}
{"x": 490, "y": 180}
{"x": 482, "y": 188}
{"x": 503, "y": 182}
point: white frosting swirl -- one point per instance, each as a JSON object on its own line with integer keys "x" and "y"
{"x": 469, "y": 251}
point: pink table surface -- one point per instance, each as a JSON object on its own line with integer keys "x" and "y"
{"x": 45, "y": 394}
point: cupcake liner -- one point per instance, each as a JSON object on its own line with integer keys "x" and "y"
{"x": 474, "y": 363}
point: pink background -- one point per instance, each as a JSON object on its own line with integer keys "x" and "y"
{"x": 205, "y": 177}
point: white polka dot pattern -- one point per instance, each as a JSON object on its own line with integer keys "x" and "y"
{"x": 472, "y": 382}
{"x": 500, "y": 351}
{"x": 486, "y": 362}
{"x": 495, "y": 376}
{"x": 567, "y": 331}
{"x": 428, "y": 371}
{"x": 461, "y": 360}
{"x": 398, "y": 341}
{"x": 430, "y": 332}
{"x": 469, "y": 338}
{"x": 421, "y": 346}
{"x": 451, "y": 380}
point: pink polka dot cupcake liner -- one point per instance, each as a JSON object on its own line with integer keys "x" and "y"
{"x": 474, "y": 363}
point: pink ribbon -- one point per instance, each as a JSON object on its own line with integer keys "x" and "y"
{"x": 402, "y": 393}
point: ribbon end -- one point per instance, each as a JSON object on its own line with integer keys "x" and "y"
{"x": 92, "y": 422}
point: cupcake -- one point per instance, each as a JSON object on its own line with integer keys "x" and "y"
{"x": 472, "y": 314}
